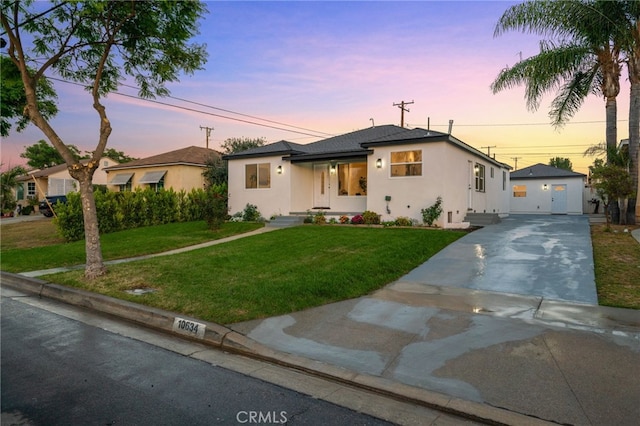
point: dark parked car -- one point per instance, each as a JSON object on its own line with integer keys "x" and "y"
{"x": 53, "y": 200}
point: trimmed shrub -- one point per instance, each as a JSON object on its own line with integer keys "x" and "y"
{"x": 215, "y": 206}
{"x": 251, "y": 213}
{"x": 357, "y": 220}
{"x": 126, "y": 210}
{"x": 371, "y": 218}
{"x": 319, "y": 218}
{"x": 403, "y": 221}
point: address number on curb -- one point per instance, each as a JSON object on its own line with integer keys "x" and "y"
{"x": 190, "y": 328}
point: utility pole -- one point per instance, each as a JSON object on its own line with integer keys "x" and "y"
{"x": 401, "y": 105}
{"x": 208, "y": 129}
{"x": 516, "y": 160}
{"x": 489, "y": 149}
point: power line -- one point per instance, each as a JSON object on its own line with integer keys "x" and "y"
{"x": 316, "y": 135}
{"x": 516, "y": 124}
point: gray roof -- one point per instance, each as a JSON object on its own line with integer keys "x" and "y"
{"x": 540, "y": 170}
{"x": 355, "y": 144}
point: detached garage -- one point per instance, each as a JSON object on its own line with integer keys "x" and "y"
{"x": 541, "y": 189}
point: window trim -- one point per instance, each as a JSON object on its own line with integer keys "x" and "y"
{"x": 522, "y": 191}
{"x": 480, "y": 177}
{"x": 405, "y": 163}
{"x": 31, "y": 189}
{"x": 265, "y": 167}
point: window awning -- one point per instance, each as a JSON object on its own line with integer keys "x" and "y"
{"x": 121, "y": 179}
{"x": 153, "y": 177}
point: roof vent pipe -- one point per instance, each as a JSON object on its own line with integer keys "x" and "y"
{"x": 450, "y": 125}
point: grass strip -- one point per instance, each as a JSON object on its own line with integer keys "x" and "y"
{"x": 118, "y": 245}
{"x": 617, "y": 266}
{"x": 271, "y": 274}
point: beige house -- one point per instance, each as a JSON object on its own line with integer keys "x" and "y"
{"x": 180, "y": 170}
{"x": 55, "y": 180}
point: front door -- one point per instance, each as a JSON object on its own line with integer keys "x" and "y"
{"x": 558, "y": 199}
{"x": 320, "y": 186}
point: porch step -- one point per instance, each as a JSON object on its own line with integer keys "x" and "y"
{"x": 482, "y": 219}
{"x": 286, "y": 221}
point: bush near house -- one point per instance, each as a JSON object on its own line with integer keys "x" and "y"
{"x": 370, "y": 218}
{"x": 432, "y": 213}
{"x": 118, "y": 211}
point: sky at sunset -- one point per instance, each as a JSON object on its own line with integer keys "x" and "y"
{"x": 303, "y": 71}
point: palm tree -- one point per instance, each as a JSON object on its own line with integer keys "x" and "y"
{"x": 7, "y": 184}
{"x": 581, "y": 59}
{"x": 630, "y": 41}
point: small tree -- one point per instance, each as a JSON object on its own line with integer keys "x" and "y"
{"x": 233, "y": 145}
{"x": 612, "y": 183}
{"x": 7, "y": 183}
{"x": 42, "y": 155}
{"x": 118, "y": 156}
{"x": 432, "y": 213}
{"x": 561, "y": 163}
{"x": 99, "y": 44}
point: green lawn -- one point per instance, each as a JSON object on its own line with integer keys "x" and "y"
{"x": 273, "y": 273}
{"x": 15, "y": 257}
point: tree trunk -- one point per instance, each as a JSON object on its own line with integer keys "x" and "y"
{"x": 633, "y": 212}
{"x": 611, "y": 109}
{"x": 634, "y": 138}
{"x": 94, "y": 263}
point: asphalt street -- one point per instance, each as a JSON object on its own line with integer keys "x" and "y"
{"x": 62, "y": 365}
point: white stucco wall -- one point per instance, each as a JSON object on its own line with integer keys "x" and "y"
{"x": 275, "y": 200}
{"x": 448, "y": 172}
{"x": 538, "y": 200}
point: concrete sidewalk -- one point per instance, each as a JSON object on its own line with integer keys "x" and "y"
{"x": 495, "y": 357}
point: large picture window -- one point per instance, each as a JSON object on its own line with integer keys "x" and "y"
{"x": 406, "y": 163}
{"x": 257, "y": 175}
{"x": 352, "y": 179}
{"x": 479, "y": 172}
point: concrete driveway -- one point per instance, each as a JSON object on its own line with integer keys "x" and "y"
{"x": 533, "y": 255}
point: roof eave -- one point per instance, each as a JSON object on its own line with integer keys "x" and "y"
{"x": 328, "y": 156}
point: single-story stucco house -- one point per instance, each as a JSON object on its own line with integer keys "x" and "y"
{"x": 55, "y": 180}
{"x": 390, "y": 170}
{"x": 180, "y": 170}
{"x": 541, "y": 189}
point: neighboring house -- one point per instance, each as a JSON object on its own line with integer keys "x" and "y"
{"x": 390, "y": 170}
{"x": 180, "y": 170}
{"x": 542, "y": 189}
{"x": 55, "y": 180}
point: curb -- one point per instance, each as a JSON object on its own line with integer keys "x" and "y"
{"x": 224, "y": 338}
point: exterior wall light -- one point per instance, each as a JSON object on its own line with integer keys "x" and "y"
{"x": 332, "y": 169}
{"x": 279, "y": 170}
{"x": 379, "y": 163}
{"x": 545, "y": 187}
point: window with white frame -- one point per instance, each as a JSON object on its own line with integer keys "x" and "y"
{"x": 406, "y": 163}
{"x": 479, "y": 174}
{"x": 519, "y": 191}
{"x": 31, "y": 189}
{"x": 257, "y": 175}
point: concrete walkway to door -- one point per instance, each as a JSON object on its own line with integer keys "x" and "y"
{"x": 534, "y": 255}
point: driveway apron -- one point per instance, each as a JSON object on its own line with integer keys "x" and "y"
{"x": 534, "y": 255}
